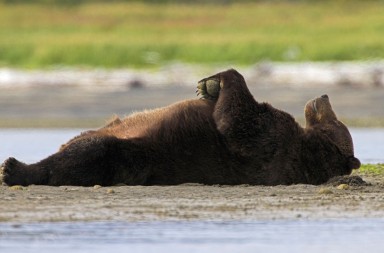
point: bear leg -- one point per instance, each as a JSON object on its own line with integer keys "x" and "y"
{"x": 236, "y": 112}
{"x": 18, "y": 173}
{"x": 95, "y": 160}
{"x": 83, "y": 162}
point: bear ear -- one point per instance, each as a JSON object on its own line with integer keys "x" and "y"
{"x": 353, "y": 163}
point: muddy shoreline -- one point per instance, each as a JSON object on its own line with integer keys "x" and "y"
{"x": 191, "y": 202}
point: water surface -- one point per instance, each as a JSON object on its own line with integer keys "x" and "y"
{"x": 362, "y": 235}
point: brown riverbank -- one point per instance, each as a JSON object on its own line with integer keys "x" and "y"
{"x": 191, "y": 202}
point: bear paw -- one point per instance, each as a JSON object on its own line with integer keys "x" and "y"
{"x": 12, "y": 172}
{"x": 209, "y": 88}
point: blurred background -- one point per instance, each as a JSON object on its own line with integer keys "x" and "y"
{"x": 67, "y": 63}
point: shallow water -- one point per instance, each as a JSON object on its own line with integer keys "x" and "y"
{"x": 369, "y": 144}
{"x": 362, "y": 235}
{"x": 31, "y": 145}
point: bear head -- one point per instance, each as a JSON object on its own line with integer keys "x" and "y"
{"x": 319, "y": 115}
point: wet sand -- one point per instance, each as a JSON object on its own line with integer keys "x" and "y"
{"x": 191, "y": 202}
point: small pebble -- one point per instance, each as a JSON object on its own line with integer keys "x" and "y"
{"x": 110, "y": 191}
{"x": 97, "y": 186}
{"x": 325, "y": 191}
{"x": 343, "y": 187}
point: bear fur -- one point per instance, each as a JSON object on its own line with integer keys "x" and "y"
{"x": 227, "y": 137}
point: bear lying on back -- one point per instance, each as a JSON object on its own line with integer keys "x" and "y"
{"x": 224, "y": 138}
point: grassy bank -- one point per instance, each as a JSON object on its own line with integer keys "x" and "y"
{"x": 149, "y": 35}
{"x": 375, "y": 169}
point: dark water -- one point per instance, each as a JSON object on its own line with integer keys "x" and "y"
{"x": 30, "y": 145}
{"x": 363, "y": 235}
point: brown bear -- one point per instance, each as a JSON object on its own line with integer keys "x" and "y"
{"x": 226, "y": 137}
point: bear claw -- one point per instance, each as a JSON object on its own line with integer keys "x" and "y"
{"x": 208, "y": 88}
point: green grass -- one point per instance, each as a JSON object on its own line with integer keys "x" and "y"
{"x": 376, "y": 169}
{"x": 150, "y": 35}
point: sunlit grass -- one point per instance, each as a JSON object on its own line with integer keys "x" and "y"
{"x": 376, "y": 169}
{"x": 149, "y": 35}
